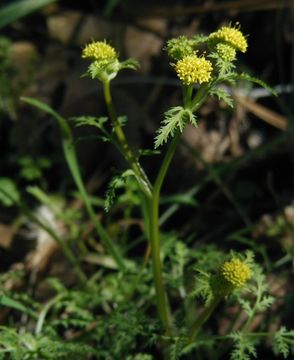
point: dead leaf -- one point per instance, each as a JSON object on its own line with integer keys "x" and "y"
{"x": 6, "y": 235}
{"x": 265, "y": 114}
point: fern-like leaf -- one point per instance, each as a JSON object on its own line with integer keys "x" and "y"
{"x": 226, "y": 68}
{"x": 221, "y": 94}
{"x": 244, "y": 76}
{"x": 114, "y": 184}
{"x": 97, "y": 122}
{"x": 246, "y": 306}
{"x": 176, "y": 348}
{"x": 202, "y": 287}
{"x": 175, "y": 120}
{"x": 283, "y": 341}
{"x": 244, "y": 347}
{"x": 131, "y": 64}
{"x": 90, "y": 121}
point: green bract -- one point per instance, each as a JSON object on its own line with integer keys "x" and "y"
{"x": 104, "y": 70}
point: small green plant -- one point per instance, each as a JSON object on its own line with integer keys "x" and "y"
{"x": 110, "y": 311}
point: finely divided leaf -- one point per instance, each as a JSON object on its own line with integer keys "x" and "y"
{"x": 202, "y": 287}
{"x": 255, "y": 80}
{"x": 97, "y": 122}
{"x": 122, "y": 120}
{"x": 129, "y": 64}
{"x": 246, "y": 306}
{"x": 175, "y": 120}
{"x": 283, "y": 341}
{"x": 244, "y": 347}
{"x": 114, "y": 184}
{"x": 90, "y": 121}
{"x": 226, "y": 68}
{"x": 265, "y": 302}
{"x": 221, "y": 94}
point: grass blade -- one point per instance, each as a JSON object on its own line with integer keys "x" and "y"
{"x": 71, "y": 159}
{"x": 9, "y": 302}
{"x": 19, "y": 9}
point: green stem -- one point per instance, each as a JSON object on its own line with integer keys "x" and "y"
{"x": 112, "y": 249}
{"x": 152, "y": 197}
{"x": 252, "y": 334}
{"x": 152, "y": 221}
{"x": 127, "y": 152}
{"x": 161, "y": 297}
{"x": 44, "y": 312}
{"x": 228, "y": 337}
{"x": 165, "y": 165}
{"x": 200, "y": 97}
{"x": 187, "y": 95}
{"x": 160, "y": 293}
{"x": 203, "y": 317}
{"x": 247, "y": 324}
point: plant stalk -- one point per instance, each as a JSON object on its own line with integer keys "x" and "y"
{"x": 165, "y": 165}
{"x": 161, "y": 296}
{"x": 141, "y": 177}
{"x": 160, "y": 293}
{"x": 203, "y": 317}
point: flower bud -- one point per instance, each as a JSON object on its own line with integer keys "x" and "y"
{"x": 226, "y": 52}
{"x": 180, "y": 47}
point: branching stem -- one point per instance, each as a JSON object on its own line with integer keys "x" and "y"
{"x": 152, "y": 194}
{"x": 125, "y": 149}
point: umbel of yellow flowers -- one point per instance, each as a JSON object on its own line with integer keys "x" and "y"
{"x": 98, "y": 51}
{"x": 231, "y": 36}
{"x": 235, "y": 272}
{"x": 193, "y": 69}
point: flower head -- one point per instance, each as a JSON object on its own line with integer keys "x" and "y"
{"x": 193, "y": 69}
{"x": 226, "y": 52}
{"x": 236, "y": 272}
{"x": 99, "y": 50}
{"x": 231, "y": 36}
{"x": 180, "y": 47}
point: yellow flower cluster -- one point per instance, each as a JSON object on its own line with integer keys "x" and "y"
{"x": 231, "y": 36}
{"x": 99, "y": 50}
{"x": 236, "y": 272}
{"x": 226, "y": 52}
{"x": 193, "y": 69}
